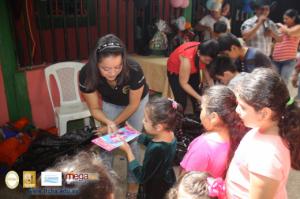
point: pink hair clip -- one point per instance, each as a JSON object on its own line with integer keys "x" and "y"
{"x": 216, "y": 188}
{"x": 174, "y": 103}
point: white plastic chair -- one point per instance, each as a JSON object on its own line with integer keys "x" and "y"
{"x": 71, "y": 107}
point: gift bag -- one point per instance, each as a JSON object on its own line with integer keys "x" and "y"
{"x": 159, "y": 43}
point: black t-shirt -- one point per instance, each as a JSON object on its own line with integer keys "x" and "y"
{"x": 120, "y": 94}
{"x": 254, "y": 58}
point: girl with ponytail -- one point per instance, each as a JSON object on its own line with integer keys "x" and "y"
{"x": 211, "y": 152}
{"x": 156, "y": 176}
{"x": 261, "y": 163}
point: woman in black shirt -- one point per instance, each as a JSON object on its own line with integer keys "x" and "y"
{"x": 121, "y": 84}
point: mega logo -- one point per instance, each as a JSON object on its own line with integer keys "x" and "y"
{"x": 76, "y": 176}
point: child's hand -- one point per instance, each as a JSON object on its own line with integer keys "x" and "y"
{"x": 101, "y": 131}
{"x": 125, "y": 147}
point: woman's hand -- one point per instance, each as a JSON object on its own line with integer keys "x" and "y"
{"x": 280, "y": 25}
{"x": 102, "y": 130}
{"x": 109, "y": 128}
{"x": 282, "y": 28}
{"x": 199, "y": 99}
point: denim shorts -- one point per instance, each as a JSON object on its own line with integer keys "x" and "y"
{"x": 285, "y": 69}
{"x": 136, "y": 121}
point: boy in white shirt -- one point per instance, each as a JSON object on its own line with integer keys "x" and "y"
{"x": 206, "y": 23}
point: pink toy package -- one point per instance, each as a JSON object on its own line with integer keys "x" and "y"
{"x": 114, "y": 140}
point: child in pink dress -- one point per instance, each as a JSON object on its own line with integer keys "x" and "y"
{"x": 261, "y": 163}
{"x": 211, "y": 151}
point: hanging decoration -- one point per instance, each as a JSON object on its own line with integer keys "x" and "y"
{"x": 180, "y": 3}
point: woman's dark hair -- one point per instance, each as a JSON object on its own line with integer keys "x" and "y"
{"x": 265, "y": 88}
{"x": 165, "y": 111}
{"x": 209, "y": 48}
{"x": 227, "y": 40}
{"x": 193, "y": 185}
{"x": 108, "y": 45}
{"x": 292, "y": 13}
{"x": 221, "y": 100}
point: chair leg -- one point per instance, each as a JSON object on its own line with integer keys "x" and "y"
{"x": 56, "y": 121}
{"x": 62, "y": 127}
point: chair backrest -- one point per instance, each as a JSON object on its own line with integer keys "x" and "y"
{"x": 66, "y": 77}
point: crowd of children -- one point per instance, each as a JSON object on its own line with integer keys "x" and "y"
{"x": 251, "y": 143}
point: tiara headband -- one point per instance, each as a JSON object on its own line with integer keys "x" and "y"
{"x": 109, "y": 45}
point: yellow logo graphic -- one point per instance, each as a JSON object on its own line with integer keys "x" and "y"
{"x": 126, "y": 89}
{"x": 29, "y": 179}
{"x": 12, "y": 179}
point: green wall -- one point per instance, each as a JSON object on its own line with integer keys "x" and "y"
{"x": 187, "y": 13}
{"x": 14, "y": 81}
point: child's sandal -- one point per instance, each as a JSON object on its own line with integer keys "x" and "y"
{"x": 130, "y": 195}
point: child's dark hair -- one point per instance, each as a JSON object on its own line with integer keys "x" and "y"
{"x": 108, "y": 45}
{"x": 221, "y": 100}
{"x": 220, "y": 27}
{"x": 209, "y": 48}
{"x": 227, "y": 40}
{"x": 265, "y": 88}
{"x": 220, "y": 65}
{"x": 292, "y": 13}
{"x": 165, "y": 111}
{"x": 193, "y": 185}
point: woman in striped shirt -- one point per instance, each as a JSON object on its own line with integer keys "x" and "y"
{"x": 285, "y": 50}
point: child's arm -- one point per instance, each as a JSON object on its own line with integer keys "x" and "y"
{"x": 152, "y": 162}
{"x": 144, "y": 139}
{"x": 262, "y": 187}
{"x": 126, "y": 148}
